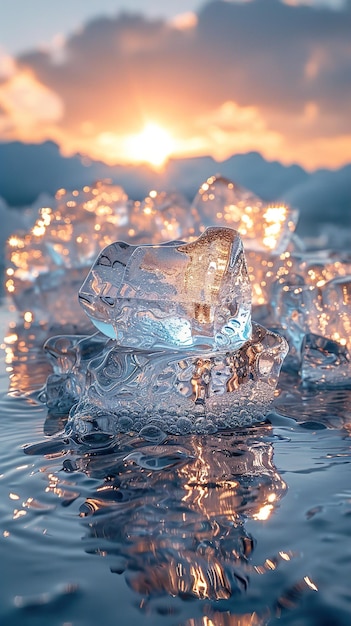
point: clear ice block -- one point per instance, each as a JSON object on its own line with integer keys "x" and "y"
{"x": 314, "y": 315}
{"x": 325, "y": 363}
{"x": 180, "y": 352}
{"x": 176, "y": 295}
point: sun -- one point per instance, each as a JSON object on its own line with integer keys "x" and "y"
{"x": 152, "y": 145}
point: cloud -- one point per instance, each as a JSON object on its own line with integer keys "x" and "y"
{"x": 239, "y": 76}
{"x": 27, "y": 105}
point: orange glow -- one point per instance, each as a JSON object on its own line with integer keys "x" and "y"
{"x": 184, "y": 21}
{"x": 30, "y": 107}
{"x": 264, "y": 512}
{"x": 152, "y": 145}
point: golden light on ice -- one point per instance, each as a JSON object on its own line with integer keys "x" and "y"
{"x": 152, "y": 145}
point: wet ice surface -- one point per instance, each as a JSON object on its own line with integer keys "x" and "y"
{"x": 181, "y": 353}
{"x": 173, "y": 295}
{"x": 244, "y": 527}
{"x": 108, "y": 389}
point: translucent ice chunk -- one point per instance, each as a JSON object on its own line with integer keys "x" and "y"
{"x": 325, "y": 362}
{"x": 263, "y": 227}
{"x": 175, "y": 295}
{"x": 185, "y": 392}
{"x": 47, "y": 264}
{"x": 70, "y": 356}
{"x": 295, "y": 304}
{"x": 335, "y": 318}
{"x": 161, "y": 217}
{"x": 314, "y": 316}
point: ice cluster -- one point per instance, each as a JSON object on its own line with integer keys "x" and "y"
{"x": 48, "y": 264}
{"x": 180, "y": 292}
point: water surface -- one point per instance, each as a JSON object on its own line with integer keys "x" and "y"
{"x": 250, "y": 527}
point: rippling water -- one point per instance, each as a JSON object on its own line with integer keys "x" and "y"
{"x": 250, "y": 527}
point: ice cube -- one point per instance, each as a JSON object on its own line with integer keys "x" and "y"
{"x": 174, "y": 295}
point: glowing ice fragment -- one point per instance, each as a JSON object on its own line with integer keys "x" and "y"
{"x": 263, "y": 227}
{"x": 173, "y": 295}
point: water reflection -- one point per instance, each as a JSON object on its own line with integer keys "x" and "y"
{"x": 327, "y": 408}
{"x": 26, "y": 364}
{"x": 215, "y": 618}
{"x": 172, "y": 517}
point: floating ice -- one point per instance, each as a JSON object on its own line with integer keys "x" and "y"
{"x": 175, "y": 295}
{"x": 314, "y": 314}
{"x": 179, "y": 391}
{"x": 325, "y": 362}
{"x": 184, "y": 356}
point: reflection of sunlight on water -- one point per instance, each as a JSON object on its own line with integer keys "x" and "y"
{"x": 26, "y": 364}
{"x": 176, "y": 529}
{"x": 179, "y": 531}
{"x": 171, "y": 518}
{"x": 226, "y": 619}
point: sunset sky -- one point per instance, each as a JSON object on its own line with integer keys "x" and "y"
{"x": 140, "y": 81}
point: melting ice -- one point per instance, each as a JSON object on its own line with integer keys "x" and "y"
{"x": 181, "y": 353}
